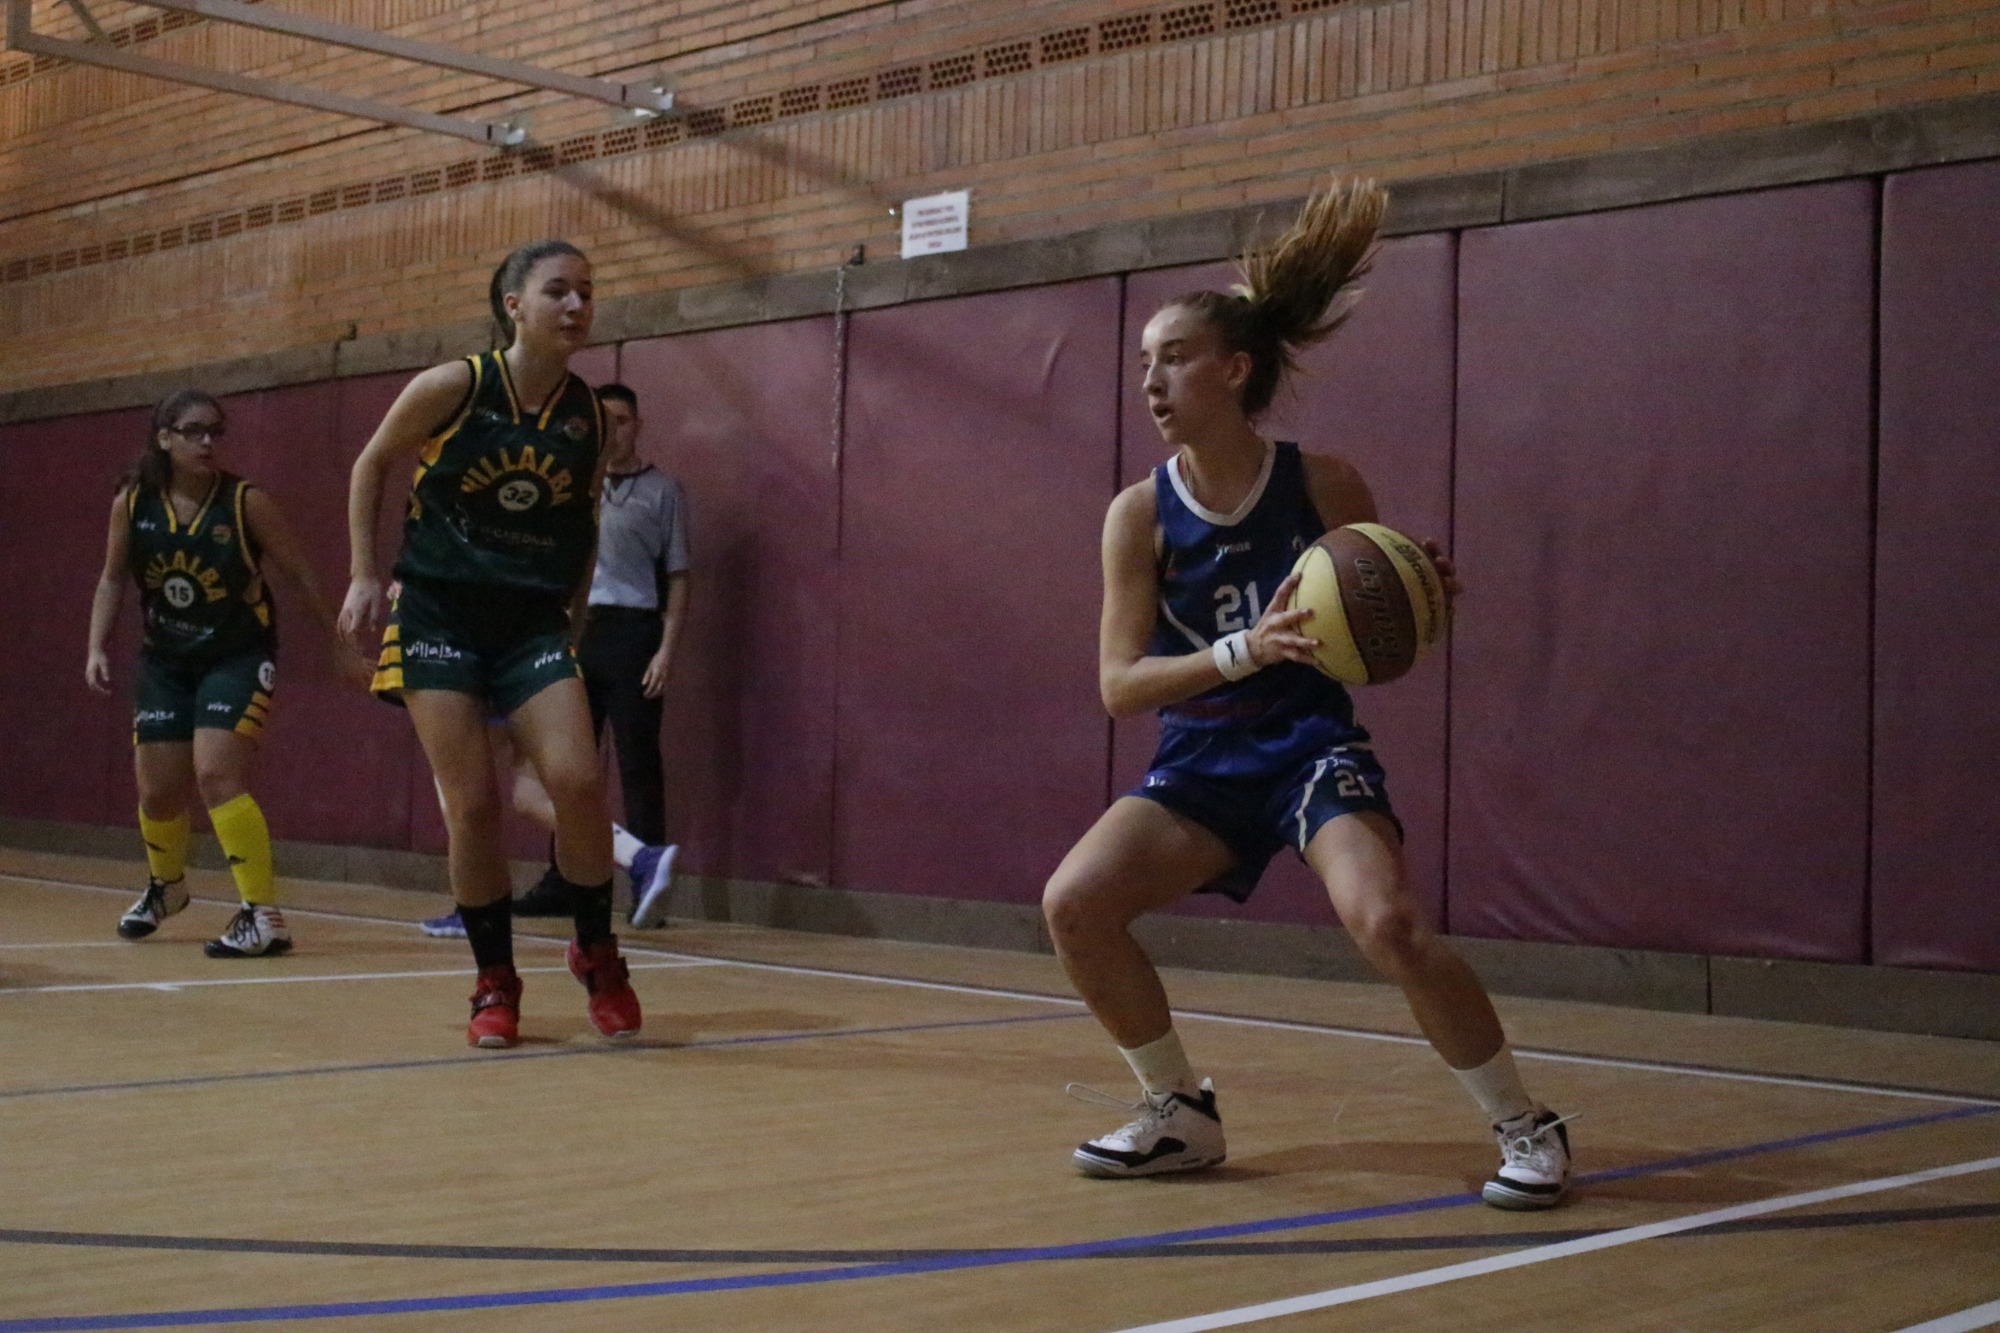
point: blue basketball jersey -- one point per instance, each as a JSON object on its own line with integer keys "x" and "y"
{"x": 1216, "y": 573}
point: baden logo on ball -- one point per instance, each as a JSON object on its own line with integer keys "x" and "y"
{"x": 1376, "y": 599}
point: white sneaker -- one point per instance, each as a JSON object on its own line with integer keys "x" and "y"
{"x": 1179, "y": 1131}
{"x": 254, "y": 932}
{"x": 155, "y": 905}
{"x": 1534, "y": 1162}
{"x": 652, "y": 877}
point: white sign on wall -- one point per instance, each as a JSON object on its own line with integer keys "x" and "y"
{"x": 936, "y": 223}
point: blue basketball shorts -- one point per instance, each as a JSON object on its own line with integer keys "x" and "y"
{"x": 1259, "y": 797}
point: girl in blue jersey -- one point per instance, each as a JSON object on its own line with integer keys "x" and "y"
{"x": 497, "y": 547}
{"x": 1257, "y": 750}
{"x": 198, "y": 541}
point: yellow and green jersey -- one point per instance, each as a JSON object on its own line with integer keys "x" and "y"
{"x": 200, "y": 589}
{"x": 502, "y": 494}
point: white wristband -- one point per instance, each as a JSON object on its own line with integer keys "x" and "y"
{"x": 1232, "y": 656}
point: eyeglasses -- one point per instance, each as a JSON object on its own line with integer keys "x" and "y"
{"x": 199, "y": 430}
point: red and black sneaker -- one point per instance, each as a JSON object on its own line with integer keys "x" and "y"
{"x": 496, "y": 1008}
{"x": 613, "y": 1006}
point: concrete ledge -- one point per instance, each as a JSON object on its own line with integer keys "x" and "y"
{"x": 1890, "y": 999}
{"x": 1958, "y": 130}
{"x": 1897, "y": 999}
{"x": 416, "y": 871}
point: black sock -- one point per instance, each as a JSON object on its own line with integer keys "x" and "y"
{"x": 593, "y": 912}
{"x": 490, "y": 932}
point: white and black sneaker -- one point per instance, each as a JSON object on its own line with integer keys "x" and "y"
{"x": 1534, "y": 1162}
{"x": 254, "y": 932}
{"x": 1179, "y": 1131}
{"x": 155, "y": 905}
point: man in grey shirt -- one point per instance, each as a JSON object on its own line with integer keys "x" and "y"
{"x": 638, "y": 603}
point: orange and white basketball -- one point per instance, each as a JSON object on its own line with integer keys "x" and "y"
{"x": 1377, "y": 602}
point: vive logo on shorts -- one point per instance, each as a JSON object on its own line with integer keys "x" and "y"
{"x": 220, "y": 707}
{"x": 548, "y": 659}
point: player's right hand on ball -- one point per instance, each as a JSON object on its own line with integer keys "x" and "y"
{"x": 1276, "y": 636}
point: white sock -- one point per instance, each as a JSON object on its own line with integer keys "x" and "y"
{"x": 623, "y": 846}
{"x": 1161, "y": 1065}
{"x": 1496, "y": 1086}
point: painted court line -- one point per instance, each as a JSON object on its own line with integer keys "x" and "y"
{"x": 198, "y": 983}
{"x": 571, "y": 1254}
{"x": 1965, "y": 1321}
{"x": 1361, "y": 1291}
{"x": 625, "y": 1046}
{"x": 900, "y": 1268}
{"x": 633, "y": 950}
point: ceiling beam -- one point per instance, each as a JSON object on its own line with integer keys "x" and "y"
{"x": 22, "y": 37}
{"x": 636, "y": 96}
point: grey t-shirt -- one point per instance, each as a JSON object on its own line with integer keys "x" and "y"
{"x": 641, "y": 535}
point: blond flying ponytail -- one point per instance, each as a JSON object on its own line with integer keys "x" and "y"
{"x": 1298, "y": 291}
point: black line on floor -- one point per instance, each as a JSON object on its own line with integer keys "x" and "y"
{"x": 1497, "y": 1240}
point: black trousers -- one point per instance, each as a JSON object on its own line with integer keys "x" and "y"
{"x": 617, "y": 644}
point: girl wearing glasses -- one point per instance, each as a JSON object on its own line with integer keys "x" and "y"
{"x": 197, "y": 539}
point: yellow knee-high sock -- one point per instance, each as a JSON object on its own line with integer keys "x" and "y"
{"x": 246, "y": 841}
{"x": 166, "y": 846}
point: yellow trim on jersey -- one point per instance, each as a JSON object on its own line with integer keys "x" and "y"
{"x": 173, "y": 519}
{"x": 435, "y": 445}
{"x": 243, "y": 534}
{"x": 562, "y": 392}
{"x": 507, "y": 383}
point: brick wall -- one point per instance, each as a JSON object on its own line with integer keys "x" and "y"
{"x": 148, "y": 225}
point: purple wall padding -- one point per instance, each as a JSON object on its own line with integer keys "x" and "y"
{"x": 334, "y": 762}
{"x": 1660, "y": 708}
{"x": 65, "y": 751}
{"x": 1379, "y": 393}
{"x": 980, "y": 455}
{"x": 743, "y": 418}
{"x": 1936, "y": 900}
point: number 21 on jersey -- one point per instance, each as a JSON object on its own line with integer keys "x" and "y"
{"x": 1236, "y": 608}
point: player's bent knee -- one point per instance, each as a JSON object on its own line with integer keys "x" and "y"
{"x": 1392, "y": 939}
{"x": 1079, "y": 907}
{"x": 218, "y": 786}
{"x": 574, "y": 787}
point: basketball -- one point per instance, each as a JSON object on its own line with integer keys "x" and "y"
{"x": 1376, "y": 599}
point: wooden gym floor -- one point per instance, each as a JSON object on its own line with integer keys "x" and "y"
{"x": 831, "y": 1133}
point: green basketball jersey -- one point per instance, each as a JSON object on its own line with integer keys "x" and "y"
{"x": 502, "y": 494}
{"x": 199, "y": 586}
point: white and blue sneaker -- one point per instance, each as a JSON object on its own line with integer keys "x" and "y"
{"x": 652, "y": 877}
{"x": 447, "y": 927}
{"x": 1534, "y": 1162}
{"x": 1179, "y": 1131}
